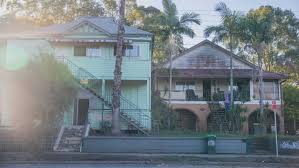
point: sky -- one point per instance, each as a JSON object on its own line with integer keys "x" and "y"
{"x": 209, "y": 17}
{"x": 207, "y": 14}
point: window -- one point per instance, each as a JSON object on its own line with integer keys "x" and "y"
{"x": 79, "y": 51}
{"x": 271, "y": 90}
{"x": 129, "y": 50}
{"x": 87, "y": 51}
{"x": 183, "y": 86}
{"x": 132, "y": 51}
{"x": 93, "y": 52}
{"x": 179, "y": 86}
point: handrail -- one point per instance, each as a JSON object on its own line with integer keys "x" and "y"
{"x": 125, "y": 103}
{"x": 94, "y": 77}
{"x": 86, "y": 133}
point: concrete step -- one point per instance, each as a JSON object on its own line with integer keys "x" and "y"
{"x": 69, "y": 139}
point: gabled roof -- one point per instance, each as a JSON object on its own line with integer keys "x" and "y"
{"x": 209, "y": 62}
{"x": 105, "y": 24}
{"x": 208, "y": 42}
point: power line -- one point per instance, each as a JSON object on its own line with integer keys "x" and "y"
{"x": 203, "y": 14}
{"x": 192, "y": 10}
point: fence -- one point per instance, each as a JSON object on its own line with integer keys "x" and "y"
{"x": 18, "y": 144}
{"x": 192, "y": 145}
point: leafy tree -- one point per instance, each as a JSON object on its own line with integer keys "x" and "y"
{"x": 133, "y": 16}
{"x": 256, "y": 34}
{"x": 271, "y": 36}
{"x": 45, "y": 89}
{"x": 160, "y": 114}
{"x": 167, "y": 27}
{"x": 110, "y": 8}
{"x": 291, "y": 102}
{"x": 281, "y": 51}
{"x": 227, "y": 33}
{"x": 55, "y": 11}
{"x": 151, "y": 22}
{"x": 282, "y": 54}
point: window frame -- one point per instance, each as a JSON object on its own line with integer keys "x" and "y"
{"x": 275, "y": 90}
{"x": 127, "y": 52}
{"x": 186, "y": 85}
{"x": 94, "y": 48}
{"x": 78, "y": 53}
{"x": 85, "y": 49}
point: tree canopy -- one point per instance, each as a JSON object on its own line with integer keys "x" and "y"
{"x": 291, "y": 101}
{"x": 46, "y": 89}
{"x": 227, "y": 31}
{"x": 54, "y": 11}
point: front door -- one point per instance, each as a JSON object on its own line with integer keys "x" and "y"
{"x": 83, "y": 105}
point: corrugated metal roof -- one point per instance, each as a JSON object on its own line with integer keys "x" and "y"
{"x": 107, "y": 24}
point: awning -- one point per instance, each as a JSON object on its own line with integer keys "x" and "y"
{"x": 219, "y": 73}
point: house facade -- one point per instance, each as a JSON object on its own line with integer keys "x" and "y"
{"x": 87, "y": 46}
{"x": 201, "y": 77}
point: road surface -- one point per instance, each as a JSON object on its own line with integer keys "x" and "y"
{"x": 143, "y": 165}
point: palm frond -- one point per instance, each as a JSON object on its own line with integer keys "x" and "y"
{"x": 188, "y": 18}
{"x": 185, "y": 30}
{"x": 221, "y": 37}
{"x": 214, "y": 30}
{"x": 223, "y": 10}
{"x": 169, "y": 8}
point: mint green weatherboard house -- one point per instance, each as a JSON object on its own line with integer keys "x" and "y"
{"x": 87, "y": 46}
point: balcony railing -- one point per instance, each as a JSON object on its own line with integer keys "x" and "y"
{"x": 199, "y": 95}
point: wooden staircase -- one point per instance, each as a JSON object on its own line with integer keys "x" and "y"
{"x": 129, "y": 112}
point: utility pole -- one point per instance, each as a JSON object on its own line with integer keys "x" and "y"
{"x": 276, "y": 141}
{"x": 231, "y": 74}
{"x": 170, "y": 85}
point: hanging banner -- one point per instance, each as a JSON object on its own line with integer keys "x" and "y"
{"x": 227, "y": 101}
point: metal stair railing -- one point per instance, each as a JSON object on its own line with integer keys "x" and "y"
{"x": 129, "y": 111}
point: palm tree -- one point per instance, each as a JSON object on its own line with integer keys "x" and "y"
{"x": 172, "y": 28}
{"x": 227, "y": 33}
{"x": 256, "y": 34}
{"x": 116, "y": 92}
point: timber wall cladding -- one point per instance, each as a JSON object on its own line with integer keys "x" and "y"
{"x": 206, "y": 57}
{"x": 192, "y": 145}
